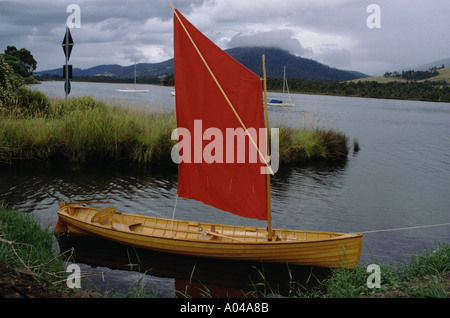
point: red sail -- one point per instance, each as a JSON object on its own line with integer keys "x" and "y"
{"x": 202, "y": 109}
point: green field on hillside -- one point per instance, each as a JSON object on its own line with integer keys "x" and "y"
{"x": 444, "y": 75}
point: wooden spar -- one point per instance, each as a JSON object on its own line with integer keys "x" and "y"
{"x": 266, "y": 118}
{"x": 222, "y": 91}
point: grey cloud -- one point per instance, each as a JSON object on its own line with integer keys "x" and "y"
{"x": 282, "y": 39}
{"x": 331, "y": 31}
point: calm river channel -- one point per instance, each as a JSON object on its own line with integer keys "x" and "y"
{"x": 400, "y": 178}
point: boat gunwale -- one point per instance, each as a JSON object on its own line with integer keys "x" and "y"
{"x": 337, "y": 235}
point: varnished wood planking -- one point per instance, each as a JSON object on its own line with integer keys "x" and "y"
{"x": 326, "y": 249}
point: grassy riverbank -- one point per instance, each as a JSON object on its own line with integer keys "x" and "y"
{"x": 79, "y": 130}
{"x": 425, "y": 275}
{"x": 26, "y": 245}
{"x": 28, "y": 265}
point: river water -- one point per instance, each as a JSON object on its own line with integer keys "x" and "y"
{"x": 400, "y": 178}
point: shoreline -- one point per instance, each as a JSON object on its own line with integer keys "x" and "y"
{"x": 83, "y": 129}
{"x": 426, "y": 276}
{"x": 298, "y": 92}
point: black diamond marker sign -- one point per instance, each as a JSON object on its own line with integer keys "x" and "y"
{"x": 67, "y": 43}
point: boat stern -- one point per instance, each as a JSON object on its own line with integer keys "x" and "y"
{"x": 61, "y": 226}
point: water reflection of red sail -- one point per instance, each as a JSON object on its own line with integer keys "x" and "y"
{"x": 214, "y": 88}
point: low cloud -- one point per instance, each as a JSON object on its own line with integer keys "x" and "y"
{"x": 333, "y": 32}
{"x": 283, "y": 39}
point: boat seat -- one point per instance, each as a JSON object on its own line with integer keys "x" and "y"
{"x": 104, "y": 215}
{"x": 122, "y": 225}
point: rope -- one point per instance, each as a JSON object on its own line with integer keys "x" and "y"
{"x": 406, "y": 228}
{"x": 173, "y": 213}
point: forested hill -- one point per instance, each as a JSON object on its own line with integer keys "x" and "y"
{"x": 276, "y": 59}
{"x": 296, "y": 67}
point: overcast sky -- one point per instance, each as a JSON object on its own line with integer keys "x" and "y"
{"x": 335, "y": 32}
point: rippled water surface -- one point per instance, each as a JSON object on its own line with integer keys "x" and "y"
{"x": 400, "y": 177}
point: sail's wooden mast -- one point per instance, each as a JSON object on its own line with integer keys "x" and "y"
{"x": 266, "y": 118}
{"x": 223, "y": 93}
{"x": 263, "y": 157}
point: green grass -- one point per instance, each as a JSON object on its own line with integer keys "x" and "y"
{"x": 26, "y": 244}
{"x": 311, "y": 143}
{"x": 444, "y": 75}
{"x": 420, "y": 277}
{"x": 79, "y": 130}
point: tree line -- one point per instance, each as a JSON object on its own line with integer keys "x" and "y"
{"x": 426, "y": 91}
{"x": 412, "y": 75}
{"x": 22, "y": 61}
{"x": 16, "y": 69}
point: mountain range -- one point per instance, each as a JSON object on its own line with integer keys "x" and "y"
{"x": 276, "y": 59}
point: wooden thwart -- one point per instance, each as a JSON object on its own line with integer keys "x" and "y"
{"x": 109, "y": 215}
{"x": 103, "y": 215}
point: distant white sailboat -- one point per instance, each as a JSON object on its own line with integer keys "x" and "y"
{"x": 131, "y": 90}
{"x": 282, "y": 103}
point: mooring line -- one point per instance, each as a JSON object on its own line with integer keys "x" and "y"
{"x": 406, "y": 228}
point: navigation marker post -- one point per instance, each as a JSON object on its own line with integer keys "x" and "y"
{"x": 67, "y": 45}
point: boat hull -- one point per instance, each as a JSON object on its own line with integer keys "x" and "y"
{"x": 132, "y": 90}
{"x": 280, "y": 104}
{"x": 324, "y": 249}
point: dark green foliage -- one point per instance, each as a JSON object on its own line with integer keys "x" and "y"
{"x": 24, "y": 56}
{"x": 29, "y": 103}
{"x": 427, "y": 91}
{"x": 414, "y": 75}
{"x": 9, "y": 82}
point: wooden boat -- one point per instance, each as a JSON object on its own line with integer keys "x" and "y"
{"x": 132, "y": 90}
{"x": 324, "y": 249}
{"x": 241, "y": 188}
{"x": 279, "y": 102}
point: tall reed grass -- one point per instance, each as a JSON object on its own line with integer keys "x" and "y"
{"x": 311, "y": 143}
{"x": 82, "y": 129}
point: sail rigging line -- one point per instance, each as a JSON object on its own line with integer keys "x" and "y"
{"x": 269, "y": 208}
{"x": 222, "y": 91}
{"x": 173, "y": 213}
{"x": 286, "y": 83}
{"x": 406, "y": 228}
